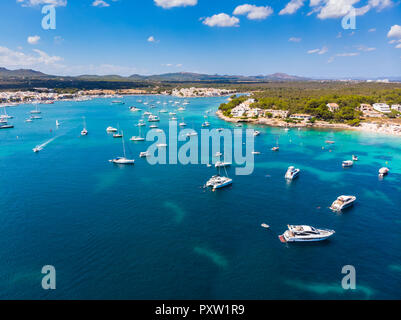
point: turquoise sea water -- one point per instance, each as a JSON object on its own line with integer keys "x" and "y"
{"x": 153, "y": 232}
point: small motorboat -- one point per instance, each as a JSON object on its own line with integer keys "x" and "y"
{"x": 354, "y": 158}
{"x": 343, "y": 202}
{"x": 122, "y": 160}
{"x": 255, "y": 152}
{"x": 117, "y": 135}
{"x": 256, "y": 133}
{"x": 330, "y": 142}
{"x": 220, "y": 164}
{"x": 161, "y": 145}
{"x": 182, "y": 124}
{"x": 206, "y": 124}
{"x": 6, "y": 126}
{"x": 144, "y": 154}
{"x": 292, "y": 173}
{"x": 134, "y": 109}
{"x": 347, "y": 163}
{"x": 137, "y": 139}
{"x": 84, "y": 132}
{"x": 37, "y": 149}
{"x": 264, "y": 225}
{"x": 383, "y": 171}
{"x": 275, "y": 148}
{"x": 111, "y": 129}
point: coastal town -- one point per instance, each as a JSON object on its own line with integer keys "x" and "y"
{"x": 49, "y": 96}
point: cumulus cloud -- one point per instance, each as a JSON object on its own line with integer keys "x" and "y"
{"x": 31, "y": 3}
{"x": 166, "y": 4}
{"x": 319, "y": 51}
{"x": 339, "y": 8}
{"x": 33, "y": 39}
{"x": 100, "y": 3}
{"x": 292, "y": 7}
{"x": 221, "y": 20}
{"x": 11, "y": 58}
{"x": 253, "y": 12}
{"x": 152, "y": 39}
{"x": 395, "y": 32}
{"x": 294, "y": 39}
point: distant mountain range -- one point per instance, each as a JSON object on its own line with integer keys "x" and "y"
{"x": 28, "y": 74}
{"x": 167, "y": 77}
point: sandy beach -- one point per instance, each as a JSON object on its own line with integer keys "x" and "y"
{"x": 383, "y": 127}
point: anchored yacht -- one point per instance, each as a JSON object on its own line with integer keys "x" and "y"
{"x": 383, "y": 171}
{"x": 342, "y": 202}
{"x": 292, "y": 173}
{"x": 111, "y": 129}
{"x": 144, "y": 154}
{"x": 256, "y": 133}
{"x": 134, "y": 109}
{"x": 217, "y": 182}
{"x": 304, "y": 233}
{"x": 347, "y": 163}
{"x": 122, "y": 160}
{"x": 220, "y": 164}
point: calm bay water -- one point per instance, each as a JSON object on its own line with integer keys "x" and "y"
{"x": 153, "y": 232}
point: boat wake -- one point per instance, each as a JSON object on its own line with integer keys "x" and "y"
{"x": 41, "y": 147}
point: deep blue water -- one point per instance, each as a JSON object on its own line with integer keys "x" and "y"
{"x": 153, "y": 232}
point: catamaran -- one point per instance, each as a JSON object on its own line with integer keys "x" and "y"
{"x": 304, "y": 233}
{"x": 218, "y": 181}
{"x": 122, "y": 160}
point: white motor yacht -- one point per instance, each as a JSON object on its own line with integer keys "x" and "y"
{"x": 292, "y": 173}
{"x": 37, "y": 149}
{"x": 111, "y": 129}
{"x": 276, "y": 149}
{"x": 182, "y": 124}
{"x": 191, "y": 134}
{"x": 342, "y": 202}
{"x": 256, "y": 133}
{"x": 347, "y": 163}
{"x": 134, "y": 109}
{"x": 161, "y": 145}
{"x": 137, "y": 139}
{"x": 383, "y": 171}
{"x": 153, "y": 118}
{"x": 304, "y": 233}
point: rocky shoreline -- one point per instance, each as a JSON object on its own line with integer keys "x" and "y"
{"x": 377, "y": 127}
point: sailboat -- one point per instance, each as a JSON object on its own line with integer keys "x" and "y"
{"x": 36, "y": 111}
{"x": 122, "y": 160}
{"x": 182, "y": 124}
{"x": 5, "y": 115}
{"x": 84, "y": 132}
{"x": 118, "y": 134}
{"x": 138, "y": 138}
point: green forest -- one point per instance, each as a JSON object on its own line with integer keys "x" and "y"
{"x": 312, "y": 99}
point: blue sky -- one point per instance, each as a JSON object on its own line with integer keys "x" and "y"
{"x": 301, "y": 37}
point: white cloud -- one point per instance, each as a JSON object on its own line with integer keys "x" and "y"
{"x": 398, "y": 46}
{"x": 395, "y": 32}
{"x": 33, "y": 39}
{"x": 372, "y": 30}
{"x": 253, "y": 12}
{"x": 292, "y": 7}
{"x": 152, "y": 39}
{"x": 221, "y": 20}
{"x": 319, "y": 51}
{"x": 365, "y": 49}
{"x": 294, "y": 39}
{"x": 31, "y": 3}
{"x": 348, "y": 54}
{"x": 18, "y": 59}
{"x": 339, "y": 8}
{"x": 100, "y": 3}
{"x": 166, "y": 4}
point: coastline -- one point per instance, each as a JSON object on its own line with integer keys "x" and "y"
{"x": 373, "y": 127}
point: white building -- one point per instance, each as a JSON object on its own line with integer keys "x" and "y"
{"x": 382, "y": 107}
{"x": 333, "y": 107}
{"x": 396, "y": 107}
{"x": 301, "y": 116}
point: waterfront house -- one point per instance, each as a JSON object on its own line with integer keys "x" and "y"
{"x": 333, "y": 107}
{"x": 396, "y": 107}
{"x": 382, "y": 107}
{"x": 277, "y": 113}
{"x": 300, "y": 116}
